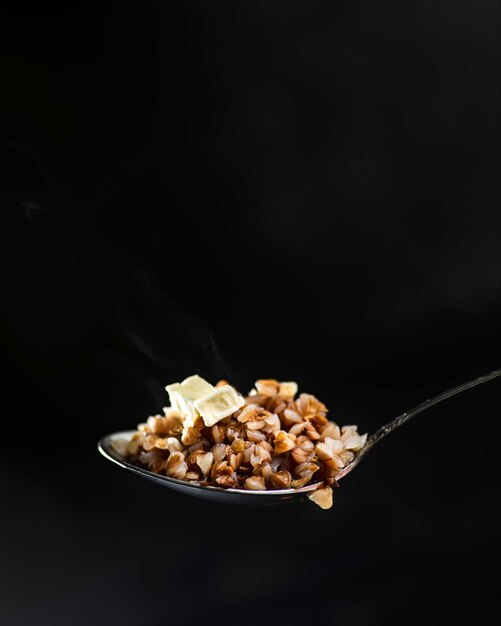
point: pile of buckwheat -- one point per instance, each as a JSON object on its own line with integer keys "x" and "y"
{"x": 272, "y": 438}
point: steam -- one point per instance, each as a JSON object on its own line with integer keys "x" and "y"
{"x": 162, "y": 332}
{"x": 118, "y": 309}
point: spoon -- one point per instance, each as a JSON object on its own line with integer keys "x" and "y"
{"x": 243, "y": 496}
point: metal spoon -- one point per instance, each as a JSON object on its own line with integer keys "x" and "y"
{"x": 242, "y": 496}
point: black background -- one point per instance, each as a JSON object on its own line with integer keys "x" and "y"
{"x": 300, "y": 190}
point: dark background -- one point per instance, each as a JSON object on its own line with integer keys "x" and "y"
{"x": 300, "y": 190}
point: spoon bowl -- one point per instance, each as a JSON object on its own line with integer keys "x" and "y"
{"x": 277, "y": 496}
{"x": 217, "y": 494}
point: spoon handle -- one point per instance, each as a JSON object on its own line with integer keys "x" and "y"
{"x": 405, "y": 417}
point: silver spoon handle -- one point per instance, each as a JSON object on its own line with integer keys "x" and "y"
{"x": 405, "y": 417}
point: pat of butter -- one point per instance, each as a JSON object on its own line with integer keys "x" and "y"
{"x": 195, "y": 387}
{"x": 288, "y": 389}
{"x": 218, "y": 404}
{"x": 183, "y": 395}
{"x": 175, "y": 396}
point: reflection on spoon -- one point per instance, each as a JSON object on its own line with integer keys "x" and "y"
{"x": 278, "y": 496}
